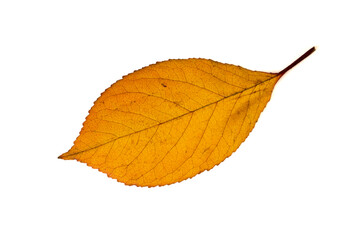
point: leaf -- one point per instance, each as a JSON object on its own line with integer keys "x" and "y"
{"x": 172, "y": 120}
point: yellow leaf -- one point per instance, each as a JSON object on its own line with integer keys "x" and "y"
{"x": 172, "y": 120}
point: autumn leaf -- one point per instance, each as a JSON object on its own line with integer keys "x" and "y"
{"x": 172, "y": 120}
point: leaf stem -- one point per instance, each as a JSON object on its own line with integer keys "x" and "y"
{"x": 305, "y": 55}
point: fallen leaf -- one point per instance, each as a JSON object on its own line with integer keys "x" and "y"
{"x": 172, "y": 120}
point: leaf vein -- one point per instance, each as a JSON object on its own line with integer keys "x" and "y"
{"x": 182, "y": 115}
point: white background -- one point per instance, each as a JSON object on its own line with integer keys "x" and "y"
{"x": 297, "y": 176}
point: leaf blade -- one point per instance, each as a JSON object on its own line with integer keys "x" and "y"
{"x": 172, "y": 120}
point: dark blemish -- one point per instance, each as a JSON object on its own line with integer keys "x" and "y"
{"x": 163, "y": 84}
{"x": 206, "y": 150}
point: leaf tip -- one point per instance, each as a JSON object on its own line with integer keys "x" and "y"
{"x": 64, "y": 156}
